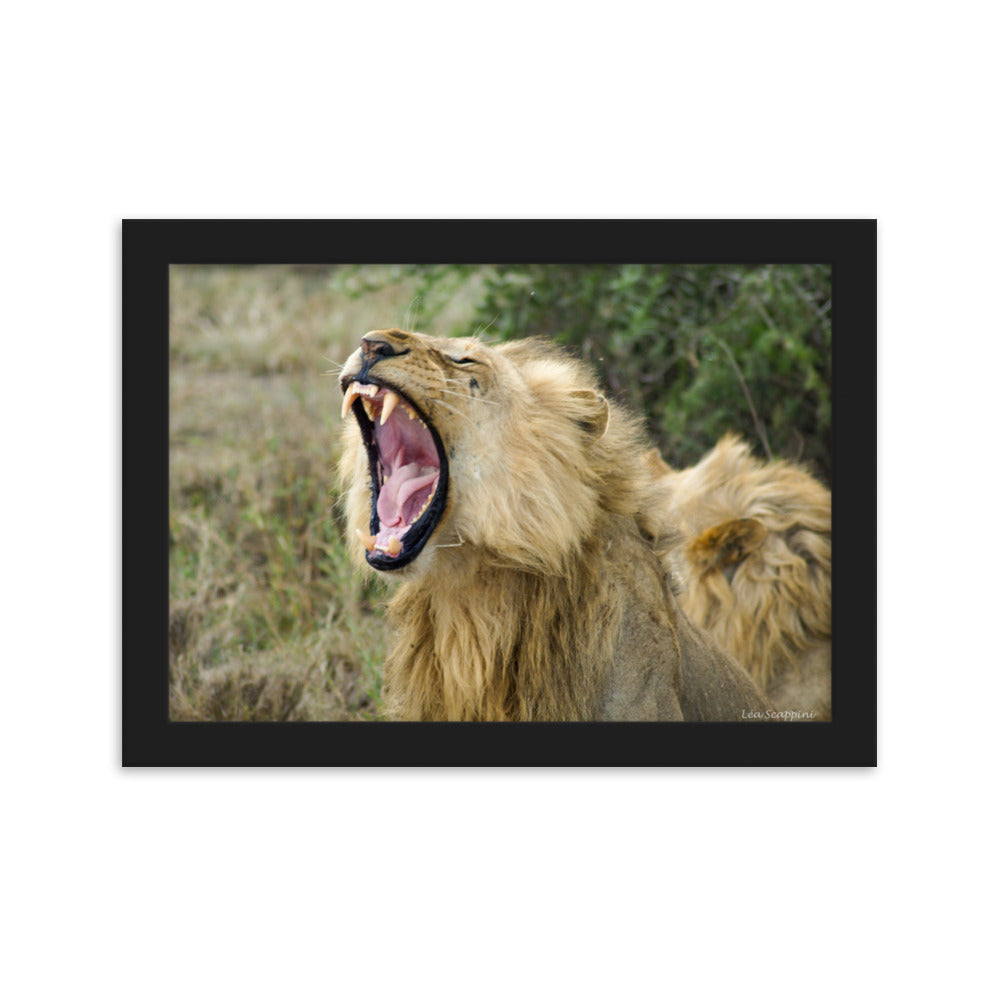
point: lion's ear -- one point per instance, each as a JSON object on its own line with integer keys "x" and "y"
{"x": 590, "y": 410}
{"x": 727, "y": 544}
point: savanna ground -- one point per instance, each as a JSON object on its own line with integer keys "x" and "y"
{"x": 268, "y": 619}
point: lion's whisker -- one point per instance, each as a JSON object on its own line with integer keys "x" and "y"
{"x": 455, "y": 410}
{"x": 482, "y": 330}
{"x": 462, "y": 395}
{"x": 412, "y": 311}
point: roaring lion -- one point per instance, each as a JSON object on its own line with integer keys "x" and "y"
{"x": 510, "y": 500}
{"x": 753, "y": 561}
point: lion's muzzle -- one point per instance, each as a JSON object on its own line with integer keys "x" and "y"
{"x": 406, "y": 461}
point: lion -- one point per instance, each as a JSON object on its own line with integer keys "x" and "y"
{"x": 509, "y": 500}
{"x": 753, "y": 561}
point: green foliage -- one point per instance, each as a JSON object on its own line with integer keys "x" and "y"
{"x": 698, "y": 349}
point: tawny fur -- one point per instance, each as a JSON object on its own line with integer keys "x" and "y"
{"x": 753, "y": 560}
{"x": 540, "y": 595}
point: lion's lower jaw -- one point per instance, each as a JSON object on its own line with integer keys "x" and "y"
{"x": 507, "y": 645}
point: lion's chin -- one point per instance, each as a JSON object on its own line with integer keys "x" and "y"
{"x": 409, "y": 473}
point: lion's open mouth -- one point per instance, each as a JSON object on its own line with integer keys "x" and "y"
{"x": 408, "y": 469}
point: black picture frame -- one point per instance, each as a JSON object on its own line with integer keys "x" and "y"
{"x": 150, "y": 246}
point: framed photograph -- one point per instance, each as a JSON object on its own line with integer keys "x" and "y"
{"x": 499, "y": 492}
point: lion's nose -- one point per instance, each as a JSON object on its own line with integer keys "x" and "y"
{"x": 381, "y": 344}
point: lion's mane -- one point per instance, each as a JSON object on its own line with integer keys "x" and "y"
{"x": 753, "y": 562}
{"x": 539, "y": 594}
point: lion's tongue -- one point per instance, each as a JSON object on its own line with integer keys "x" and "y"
{"x": 401, "y": 485}
{"x": 410, "y": 468}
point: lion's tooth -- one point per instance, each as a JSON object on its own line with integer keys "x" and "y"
{"x": 368, "y": 541}
{"x": 349, "y": 397}
{"x": 388, "y": 405}
{"x": 394, "y": 547}
{"x": 369, "y": 409}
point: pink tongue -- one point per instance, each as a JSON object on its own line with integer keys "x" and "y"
{"x": 396, "y": 490}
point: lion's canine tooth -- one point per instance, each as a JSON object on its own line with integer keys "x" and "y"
{"x": 368, "y": 541}
{"x": 388, "y": 405}
{"x": 369, "y": 409}
{"x": 349, "y": 397}
{"x": 394, "y": 547}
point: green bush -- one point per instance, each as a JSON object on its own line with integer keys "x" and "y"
{"x": 698, "y": 349}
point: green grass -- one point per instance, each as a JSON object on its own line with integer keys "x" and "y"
{"x": 268, "y": 620}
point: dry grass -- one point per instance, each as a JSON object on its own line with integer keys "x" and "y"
{"x": 267, "y": 620}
